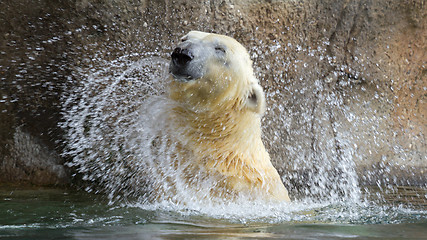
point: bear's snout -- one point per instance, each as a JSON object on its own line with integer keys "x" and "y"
{"x": 186, "y": 63}
{"x": 181, "y": 57}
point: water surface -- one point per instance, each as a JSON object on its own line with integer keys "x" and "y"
{"x": 70, "y": 214}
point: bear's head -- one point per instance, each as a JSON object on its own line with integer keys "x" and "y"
{"x": 212, "y": 72}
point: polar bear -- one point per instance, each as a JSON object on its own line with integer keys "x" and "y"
{"x": 218, "y": 108}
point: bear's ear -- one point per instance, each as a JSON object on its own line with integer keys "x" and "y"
{"x": 255, "y": 100}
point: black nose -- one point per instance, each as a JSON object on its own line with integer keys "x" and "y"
{"x": 181, "y": 57}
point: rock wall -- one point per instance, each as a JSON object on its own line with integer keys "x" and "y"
{"x": 34, "y": 66}
{"x": 345, "y": 80}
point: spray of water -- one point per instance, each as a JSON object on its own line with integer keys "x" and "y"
{"x": 304, "y": 127}
{"x": 122, "y": 140}
{"x": 119, "y": 142}
{"x": 102, "y": 118}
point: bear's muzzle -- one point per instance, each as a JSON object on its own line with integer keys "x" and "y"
{"x": 187, "y": 62}
{"x": 180, "y": 57}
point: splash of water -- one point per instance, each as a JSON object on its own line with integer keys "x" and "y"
{"x": 302, "y": 126}
{"x": 102, "y": 118}
{"x": 118, "y": 141}
{"x": 117, "y": 136}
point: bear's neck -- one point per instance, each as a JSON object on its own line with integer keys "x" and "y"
{"x": 230, "y": 137}
{"x": 235, "y": 125}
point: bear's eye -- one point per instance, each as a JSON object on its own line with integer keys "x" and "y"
{"x": 220, "y": 49}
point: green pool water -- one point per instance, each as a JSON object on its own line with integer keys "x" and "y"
{"x": 70, "y": 214}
